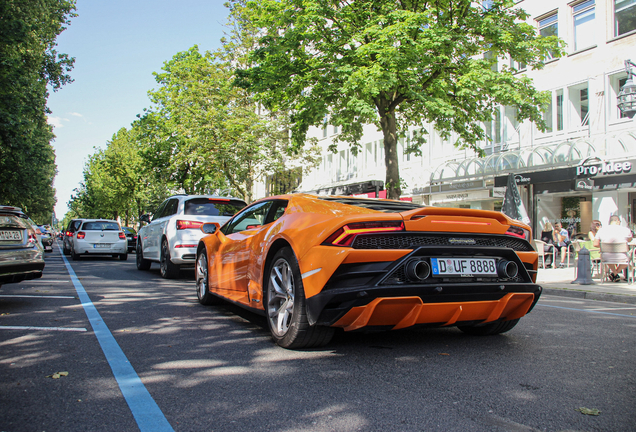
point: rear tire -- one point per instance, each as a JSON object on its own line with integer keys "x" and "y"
{"x": 123, "y": 257}
{"x": 65, "y": 249}
{"x": 202, "y": 281}
{"x": 74, "y": 255}
{"x": 142, "y": 264}
{"x": 286, "y": 309}
{"x": 167, "y": 269}
{"x": 489, "y": 329}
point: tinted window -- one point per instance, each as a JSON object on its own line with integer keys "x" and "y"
{"x": 129, "y": 230}
{"x": 160, "y": 210}
{"x": 171, "y": 207}
{"x": 101, "y": 226}
{"x": 277, "y": 210}
{"x": 213, "y": 207}
{"x": 253, "y": 217}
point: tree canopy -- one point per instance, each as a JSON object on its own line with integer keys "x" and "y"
{"x": 392, "y": 63}
{"x": 30, "y": 63}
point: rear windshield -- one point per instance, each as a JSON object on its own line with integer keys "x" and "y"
{"x": 373, "y": 204}
{"x": 129, "y": 230}
{"x": 213, "y": 207}
{"x": 101, "y": 226}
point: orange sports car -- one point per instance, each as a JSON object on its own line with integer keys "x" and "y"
{"x": 312, "y": 264}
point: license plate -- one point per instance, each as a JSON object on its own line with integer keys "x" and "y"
{"x": 464, "y": 266}
{"x": 101, "y": 245}
{"x": 10, "y": 235}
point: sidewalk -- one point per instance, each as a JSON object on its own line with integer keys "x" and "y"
{"x": 559, "y": 282}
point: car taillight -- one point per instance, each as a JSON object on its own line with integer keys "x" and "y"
{"x": 135, "y": 236}
{"x": 518, "y": 232}
{"x": 81, "y": 235}
{"x": 32, "y": 238}
{"x": 68, "y": 234}
{"x": 345, "y": 235}
{"x": 186, "y": 224}
{"x": 122, "y": 235}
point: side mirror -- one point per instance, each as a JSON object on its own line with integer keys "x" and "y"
{"x": 144, "y": 218}
{"x": 210, "y": 227}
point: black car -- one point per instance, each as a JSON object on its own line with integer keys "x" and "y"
{"x": 47, "y": 239}
{"x": 73, "y": 226}
{"x": 131, "y": 235}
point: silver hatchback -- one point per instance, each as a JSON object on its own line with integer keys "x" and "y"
{"x": 21, "y": 254}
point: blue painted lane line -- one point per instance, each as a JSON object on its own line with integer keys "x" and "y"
{"x": 144, "y": 409}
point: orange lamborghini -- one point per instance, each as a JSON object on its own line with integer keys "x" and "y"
{"x": 312, "y": 264}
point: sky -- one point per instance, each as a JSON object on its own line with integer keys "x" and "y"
{"x": 117, "y": 45}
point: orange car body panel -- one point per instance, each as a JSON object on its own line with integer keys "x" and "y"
{"x": 237, "y": 261}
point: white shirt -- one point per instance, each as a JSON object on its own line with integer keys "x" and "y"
{"x": 613, "y": 234}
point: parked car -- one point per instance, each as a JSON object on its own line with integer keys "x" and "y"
{"x": 71, "y": 228}
{"x": 131, "y": 235}
{"x": 46, "y": 238}
{"x": 99, "y": 237}
{"x": 172, "y": 236}
{"x": 21, "y": 254}
{"x": 311, "y": 264}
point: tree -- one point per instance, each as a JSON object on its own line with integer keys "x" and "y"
{"x": 392, "y": 63}
{"x": 28, "y": 30}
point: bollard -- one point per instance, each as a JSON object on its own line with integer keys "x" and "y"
{"x": 583, "y": 268}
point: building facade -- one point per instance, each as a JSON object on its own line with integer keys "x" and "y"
{"x": 580, "y": 169}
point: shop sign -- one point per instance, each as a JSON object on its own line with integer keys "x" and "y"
{"x": 463, "y": 185}
{"x": 603, "y": 168}
{"x": 584, "y": 184}
{"x": 522, "y": 180}
{"x": 460, "y": 196}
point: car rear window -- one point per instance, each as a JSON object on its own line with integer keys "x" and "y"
{"x": 213, "y": 207}
{"x": 100, "y": 226}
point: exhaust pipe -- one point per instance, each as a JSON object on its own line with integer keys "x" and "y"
{"x": 507, "y": 269}
{"x": 417, "y": 270}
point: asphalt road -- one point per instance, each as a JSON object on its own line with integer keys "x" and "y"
{"x": 142, "y": 354}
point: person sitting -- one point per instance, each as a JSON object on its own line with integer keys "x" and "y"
{"x": 594, "y": 227}
{"x": 561, "y": 240}
{"x": 614, "y": 233}
{"x": 548, "y": 248}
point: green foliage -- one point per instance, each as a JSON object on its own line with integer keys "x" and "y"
{"x": 391, "y": 63}
{"x": 29, "y": 62}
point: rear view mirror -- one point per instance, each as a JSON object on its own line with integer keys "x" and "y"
{"x": 210, "y": 227}
{"x": 144, "y": 218}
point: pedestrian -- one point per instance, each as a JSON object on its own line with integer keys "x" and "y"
{"x": 594, "y": 227}
{"x": 548, "y": 248}
{"x": 561, "y": 240}
{"x": 614, "y": 233}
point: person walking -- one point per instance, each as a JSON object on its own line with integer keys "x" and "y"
{"x": 561, "y": 240}
{"x": 614, "y": 233}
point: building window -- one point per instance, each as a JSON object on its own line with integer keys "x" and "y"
{"x": 493, "y": 128}
{"x": 284, "y": 182}
{"x": 518, "y": 66}
{"x": 324, "y": 128}
{"x": 335, "y": 129}
{"x": 549, "y": 26}
{"x": 616, "y": 83}
{"x": 624, "y": 16}
{"x": 583, "y": 14}
{"x": 579, "y": 106}
{"x": 559, "y": 110}
{"x": 547, "y": 117}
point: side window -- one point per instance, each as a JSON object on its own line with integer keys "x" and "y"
{"x": 277, "y": 210}
{"x": 253, "y": 217}
{"x": 76, "y": 225}
{"x": 171, "y": 207}
{"x": 160, "y": 210}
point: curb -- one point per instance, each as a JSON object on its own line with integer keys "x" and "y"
{"x": 589, "y": 295}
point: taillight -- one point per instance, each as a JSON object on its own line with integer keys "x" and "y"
{"x": 81, "y": 235}
{"x": 122, "y": 235}
{"x": 345, "y": 235}
{"x": 32, "y": 238}
{"x": 135, "y": 236}
{"x": 68, "y": 234}
{"x": 519, "y": 232}
{"x": 186, "y": 224}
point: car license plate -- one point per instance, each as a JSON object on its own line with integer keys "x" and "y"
{"x": 101, "y": 245}
{"x": 10, "y": 235}
{"x": 464, "y": 266}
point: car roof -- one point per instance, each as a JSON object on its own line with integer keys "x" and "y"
{"x": 219, "y": 197}
{"x": 373, "y": 204}
{"x": 11, "y": 209}
{"x": 100, "y": 220}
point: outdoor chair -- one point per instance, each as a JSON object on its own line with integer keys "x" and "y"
{"x": 540, "y": 247}
{"x": 618, "y": 248}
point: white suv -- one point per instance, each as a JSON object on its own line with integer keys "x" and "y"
{"x": 172, "y": 236}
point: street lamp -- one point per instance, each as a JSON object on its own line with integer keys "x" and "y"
{"x": 627, "y": 95}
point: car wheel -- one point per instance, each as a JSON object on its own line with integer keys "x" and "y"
{"x": 142, "y": 264}
{"x": 74, "y": 256}
{"x": 489, "y": 329}
{"x": 123, "y": 257}
{"x": 201, "y": 277}
{"x": 167, "y": 269}
{"x": 65, "y": 249}
{"x": 285, "y": 308}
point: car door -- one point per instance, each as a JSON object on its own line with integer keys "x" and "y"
{"x": 149, "y": 240}
{"x": 232, "y": 258}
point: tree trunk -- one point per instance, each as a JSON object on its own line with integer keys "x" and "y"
{"x": 389, "y": 130}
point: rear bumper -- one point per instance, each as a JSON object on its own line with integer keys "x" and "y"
{"x": 21, "y": 271}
